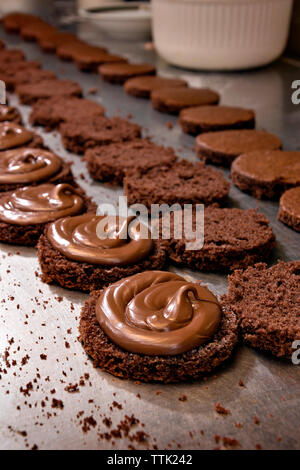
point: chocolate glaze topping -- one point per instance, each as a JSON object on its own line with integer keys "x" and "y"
{"x": 7, "y": 113}
{"x": 158, "y": 313}
{"x": 12, "y": 135}
{"x": 40, "y": 204}
{"x": 28, "y": 165}
{"x": 78, "y": 238}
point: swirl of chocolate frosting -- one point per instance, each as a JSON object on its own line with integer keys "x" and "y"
{"x": 27, "y": 165}
{"x": 40, "y": 204}
{"x": 79, "y": 238}
{"x": 7, "y": 113}
{"x": 158, "y": 313}
{"x": 12, "y": 135}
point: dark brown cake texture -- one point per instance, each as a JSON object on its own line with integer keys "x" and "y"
{"x": 52, "y": 112}
{"x": 50, "y": 40}
{"x": 215, "y": 118}
{"x": 173, "y": 100}
{"x": 142, "y": 87}
{"x": 9, "y": 113}
{"x": 27, "y": 166}
{"x": 35, "y": 30}
{"x": 266, "y": 174}
{"x": 89, "y": 59}
{"x": 8, "y": 56}
{"x": 184, "y": 182}
{"x": 85, "y": 276}
{"x": 266, "y": 302}
{"x": 30, "y": 93}
{"x": 29, "y": 234}
{"x": 119, "y": 73}
{"x": 2, "y": 45}
{"x": 12, "y": 22}
{"x": 289, "y": 208}
{"x": 9, "y": 71}
{"x": 30, "y": 76}
{"x": 233, "y": 238}
{"x": 223, "y": 147}
{"x": 190, "y": 365}
{"x": 67, "y": 50}
{"x": 78, "y": 136}
{"x": 10, "y": 130}
{"x": 110, "y": 162}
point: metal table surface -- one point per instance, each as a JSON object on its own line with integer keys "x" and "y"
{"x": 43, "y": 320}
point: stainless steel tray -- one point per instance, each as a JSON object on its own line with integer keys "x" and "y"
{"x": 44, "y": 319}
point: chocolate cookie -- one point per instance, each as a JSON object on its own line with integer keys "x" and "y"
{"x": 27, "y": 166}
{"x": 78, "y": 135}
{"x": 2, "y": 45}
{"x": 12, "y": 22}
{"x": 142, "y": 87}
{"x": 13, "y": 136}
{"x": 52, "y": 112}
{"x": 51, "y": 40}
{"x": 89, "y": 59}
{"x": 222, "y": 147}
{"x": 289, "y": 208}
{"x": 119, "y": 73}
{"x": 9, "y": 113}
{"x": 184, "y": 183}
{"x": 36, "y": 30}
{"x": 266, "y": 174}
{"x": 9, "y": 70}
{"x": 160, "y": 337}
{"x": 72, "y": 255}
{"x": 30, "y": 93}
{"x": 65, "y": 51}
{"x": 109, "y": 163}
{"x": 173, "y": 100}
{"x": 267, "y": 304}
{"x": 25, "y": 212}
{"x": 30, "y": 76}
{"x": 215, "y": 118}
{"x": 233, "y": 238}
{"x": 8, "y": 56}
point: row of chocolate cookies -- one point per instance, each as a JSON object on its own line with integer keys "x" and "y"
{"x": 150, "y": 365}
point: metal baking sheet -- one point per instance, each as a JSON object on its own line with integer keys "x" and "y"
{"x": 43, "y": 320}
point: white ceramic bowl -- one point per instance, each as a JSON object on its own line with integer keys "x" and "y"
{"x": 127, "y": 21}
{"x": 221, "y": 34}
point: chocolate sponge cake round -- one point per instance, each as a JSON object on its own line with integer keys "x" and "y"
{"x": 183, "y": 182}
{"x": 223, "y": 147}
{"x": 175, "y": 99}
{"x": 24, "y": 212}
{"x": 29, "y": 93}
{"x": 78, "y": 136}
{"x": 51, "y": 112}
{"x": 289, "y": 208}
{"x": 119, "y": 73}
{"x": 232, "y": 239}
{"x": 215, "y": 118}
{"x": 26, "y": 166}
{"x": 157, "y": 327}
{"x": 142, "y": 87}
{"x": 110, "y": 162}
{"x": 266, "y": 303}
{"x": 73, "y": 255}
{"x": 266, "y": 174}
